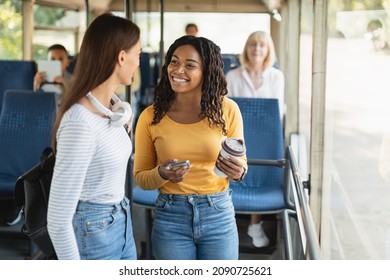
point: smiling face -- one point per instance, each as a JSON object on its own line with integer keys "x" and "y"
{"x": 185, "y": 70}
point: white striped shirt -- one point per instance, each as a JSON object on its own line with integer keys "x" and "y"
{"x": 91, "y": 164}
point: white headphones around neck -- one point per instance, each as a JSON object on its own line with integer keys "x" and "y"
{"x": 121, "y": 111}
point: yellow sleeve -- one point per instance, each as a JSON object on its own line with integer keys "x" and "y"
{"x": 146, "y": 173}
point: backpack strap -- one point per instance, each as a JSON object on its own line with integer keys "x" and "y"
{"x": 46, "y": 154}
{"x": 34, "y": 172}
{"x": 47, "y": 166}
{"x": 19, "y": 192}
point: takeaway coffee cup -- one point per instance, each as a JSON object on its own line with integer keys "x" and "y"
{"x": 230, "y": 147}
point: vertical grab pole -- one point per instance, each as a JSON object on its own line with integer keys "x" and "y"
{"x": 129, "y": 9}
{"x": 161, "y": 36}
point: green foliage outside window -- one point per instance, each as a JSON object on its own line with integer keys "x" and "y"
{"x": 46, "y": 16}
{"x": 11, "y": 30}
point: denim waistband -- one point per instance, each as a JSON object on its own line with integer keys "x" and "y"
{"x": 124, "y": 204}
{"x": 191, "y": 197}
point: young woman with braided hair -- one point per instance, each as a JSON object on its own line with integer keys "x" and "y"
{"x": 189, "y": 119}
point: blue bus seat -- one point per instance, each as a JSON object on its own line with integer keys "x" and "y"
{"x": 16, "y": 74}
{"x": 262, "y": 190}
{"x": 230, "y": 61}
{"x": 227, "y": 61}
{"x": 144, "y": 198}
{"x": 148, "y": 71}
{"x": 26, "y": 123}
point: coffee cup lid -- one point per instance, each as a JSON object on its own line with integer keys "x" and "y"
{"x": 234, "y": 147}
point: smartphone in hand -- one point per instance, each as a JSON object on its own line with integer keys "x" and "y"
{"x": 176, "y": 165}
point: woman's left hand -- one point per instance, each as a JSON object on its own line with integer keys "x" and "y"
{"x": 232, "y": 167}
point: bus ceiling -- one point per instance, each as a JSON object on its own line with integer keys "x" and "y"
{"x": 215, "y": 6}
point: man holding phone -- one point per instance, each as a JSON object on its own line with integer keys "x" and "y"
{"x": 55, "y": 52}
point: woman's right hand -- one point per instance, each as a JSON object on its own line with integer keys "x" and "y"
{"x": 176, "y": 175}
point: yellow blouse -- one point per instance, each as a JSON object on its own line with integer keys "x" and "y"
{"x": 198, "y": 142}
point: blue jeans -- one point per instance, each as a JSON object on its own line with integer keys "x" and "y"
{"x": 104, "y": 232}
{"x": 195, "y": 227}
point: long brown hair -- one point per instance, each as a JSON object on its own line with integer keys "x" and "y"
{"x": 214, "y": 86}
{"x": 106, "y": 36}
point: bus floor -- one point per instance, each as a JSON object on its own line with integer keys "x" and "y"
{"x": 19, "y": 248}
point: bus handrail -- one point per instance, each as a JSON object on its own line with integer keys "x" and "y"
{"x": 267, "y": 162}
{"x": 302, "y": 211}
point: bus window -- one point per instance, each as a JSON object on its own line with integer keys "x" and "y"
{"x": 230, "y": 39}
{"x": 11, "y": 30}
{"x": 355, "y": 203}
{"x": 56, "y": 26}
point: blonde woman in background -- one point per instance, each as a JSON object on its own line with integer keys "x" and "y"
{"x": 257, "y": 78}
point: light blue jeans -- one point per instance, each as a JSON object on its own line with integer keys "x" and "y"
{"x": 104, "y": 232}
{"x": 195, "y": 227}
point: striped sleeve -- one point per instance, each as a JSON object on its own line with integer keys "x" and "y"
{"x": 75, "y": 148}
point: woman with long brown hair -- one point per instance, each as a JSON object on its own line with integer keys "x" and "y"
{"x": 89, "y": 215}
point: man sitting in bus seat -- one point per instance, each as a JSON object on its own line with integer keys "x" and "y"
{"x": 56, "y": 52}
